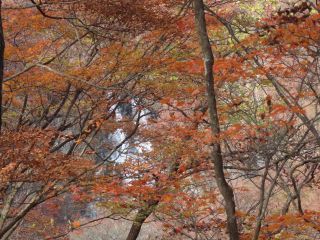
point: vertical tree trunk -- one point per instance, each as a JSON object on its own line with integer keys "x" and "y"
{"x": 2, "y": 46}
{"x": 208, "y": 58}
{"x": 141, "y": 216}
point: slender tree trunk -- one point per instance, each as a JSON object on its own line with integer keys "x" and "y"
{"x": 141, "y": 216}
{"x": 2, "y": 46}
{"x": 208, "y": 58}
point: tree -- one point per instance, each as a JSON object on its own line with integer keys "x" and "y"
{"x": 224, "y": 188}
{"x": 111, "y": 104}
{"x": 49, "y": 89}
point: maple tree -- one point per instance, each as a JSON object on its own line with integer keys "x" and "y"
{"x": 199, "y": 116}
{"x": 48, "y": 88}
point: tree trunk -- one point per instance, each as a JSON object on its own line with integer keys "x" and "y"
{"x": 2, "y": 46}
{"x": 141, "y": 216}
{"x": 208, "y": 58}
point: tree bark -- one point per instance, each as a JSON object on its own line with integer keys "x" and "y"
{"x": 141, "y": 216}
{"x": 2, "y": 46}
{"x": 224, "y": 188}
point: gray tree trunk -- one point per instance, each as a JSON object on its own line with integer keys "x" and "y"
{"x": 217, "y": 159}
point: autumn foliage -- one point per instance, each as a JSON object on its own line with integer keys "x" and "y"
{"x": 114, "y": 114}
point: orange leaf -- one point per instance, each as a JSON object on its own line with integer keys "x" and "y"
{"x": 165, "y": 100}
{"x": 76, "y": 224}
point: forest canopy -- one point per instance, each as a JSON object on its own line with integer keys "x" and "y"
{"x": 159, "y": 119}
